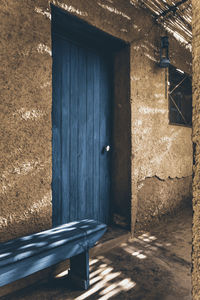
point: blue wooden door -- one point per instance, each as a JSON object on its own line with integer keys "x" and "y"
{"x": 81, "y": 118}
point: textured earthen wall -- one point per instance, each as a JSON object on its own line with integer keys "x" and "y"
{"x": 25, "y": 155}
{"x": 25, "y": 114}
{"x": 196, "y": 141}
{"x": 159, "y": 150}
{"x": 158, "y": 197}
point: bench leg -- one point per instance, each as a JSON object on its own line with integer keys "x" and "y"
{"x": 79, "y": 270}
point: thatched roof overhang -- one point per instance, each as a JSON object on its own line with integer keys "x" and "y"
{"x": 174, "y": 15}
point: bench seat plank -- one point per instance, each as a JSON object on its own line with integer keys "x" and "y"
{"x": 24, "y": 256}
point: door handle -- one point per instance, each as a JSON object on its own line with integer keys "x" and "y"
{"x": 107, "y": 148}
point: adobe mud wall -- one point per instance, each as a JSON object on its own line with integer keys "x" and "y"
{"x": 158, "y": 149}
{"x": 196, "y": 143}
{"x": 157, "y": 197}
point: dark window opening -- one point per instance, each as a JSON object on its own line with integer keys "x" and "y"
{"x": 180, "y": 97}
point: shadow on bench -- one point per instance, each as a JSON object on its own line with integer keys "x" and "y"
{"x": 26, "y": 255}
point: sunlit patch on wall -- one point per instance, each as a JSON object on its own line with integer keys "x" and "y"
{"x": 114, "y": 10}
{"x": 140, "y": 186}
{"x": 146, "y": 130}
{"x": 165, "y": 139}
{"x": 146, "y": 47}
{"x": 42, "y": 203}
{"x": 72, "y": 9}
{"x": 42, "y": 48}
{"x": 149, "y": 110}
{"x": 158, "y": 96}
{"x": 135, "y": 78}
{"x": 36, "y": 207}
{"x": 20, "y": 169}
{"x": 138, "y": 123}
{"x": 43, "y": 12}
{"x": 28, "y": 114}
{"x": 3, "y": 222}
{"x": 137, "y": 48}
{"x": 25, "y": 167}
{"x": 123, "y": 30}
{"x": 151, "y": 57}
{"x": 46, "y": 84}
{"x": 3, "y": 189}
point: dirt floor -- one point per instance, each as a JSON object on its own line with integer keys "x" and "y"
{"x": 155, "y": 265}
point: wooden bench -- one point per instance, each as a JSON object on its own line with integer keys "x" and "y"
{"x": 26, "y": 255}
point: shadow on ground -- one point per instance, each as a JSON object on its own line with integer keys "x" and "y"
{"x": 155, "y": 265}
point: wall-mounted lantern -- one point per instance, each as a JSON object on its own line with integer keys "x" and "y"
{"x": 164, "y": 52}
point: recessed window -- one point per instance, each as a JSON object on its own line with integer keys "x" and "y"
{"x": 180, "y": 97}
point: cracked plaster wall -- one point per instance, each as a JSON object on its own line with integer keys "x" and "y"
{"x": 157, "y": 198}
{"x": 158, "y": 149}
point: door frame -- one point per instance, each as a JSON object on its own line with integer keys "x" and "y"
{"x": 82, "y": 33}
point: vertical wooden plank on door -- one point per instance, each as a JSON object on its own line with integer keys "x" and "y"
{"x": 82, "y": 136}
{"x": 90, "y": 133}
{"x": 96, "y": 140}
{"x": 105, "y": 138}
{"x": 56, "y": 132}
{"x": 73, "y": 133}
{"x": 65, "y": 88}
